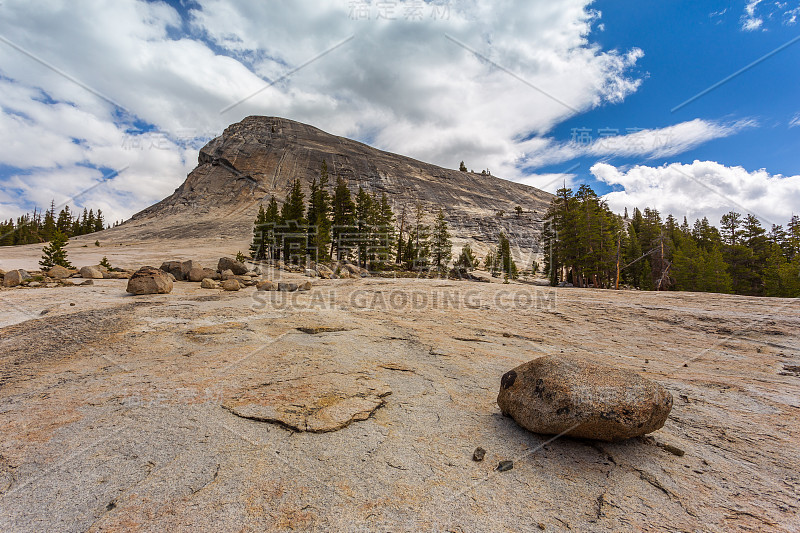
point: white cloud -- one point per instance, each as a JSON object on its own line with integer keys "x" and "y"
{"x": 757, "y": 13}
{"x": 794, "y": 121}
{"x": 401, "y": 82}
{"x": 702, "y": 188}
{"x": 750, "y": 21}
{"x": 631, "y": 142}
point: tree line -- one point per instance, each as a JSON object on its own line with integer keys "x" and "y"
{"x": 587, "y": 244}
{"x": 338, "y": 225}
{"x": 41, "y": 226}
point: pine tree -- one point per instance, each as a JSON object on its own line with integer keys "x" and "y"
{"x": 49, "y": 228}
{"x": 467, "y": 258}
{"x": 99, "y": 223}
{"x": 343, "y": 220}
{"x": 64, "y": 222}
{"x": 505, "y": 262}
{"x": 55, "y": 253}
{"x": 364, "y": 218}
{"x": 319, "y": 212}
{"x": 441, "y": 246}
{"x": 462, "y": 167}
{"x": 293, "y": 228}
{"x": 258, "y": 247}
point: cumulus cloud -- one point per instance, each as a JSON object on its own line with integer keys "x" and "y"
{"x": 702, "y": 188}
{"x": 403, "y": 82}
{"x": 636, "y": 142}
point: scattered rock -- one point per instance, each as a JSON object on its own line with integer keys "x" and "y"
{"x": 199, "y": 274}
{"x": 209, "y": 283}
{"x": 179, "y": 269}
{"x": 566, "y": 394}
{"x": 34, "y": 284}
{"x": 674, "y": 450}
{"x": 315, "y": 330}
{"x": 318, "y": 404}
{"x": 91, "y": 272}
{"x": 87, "y": 282}
{"x": 68, "y": 283}
{"x": 59, "y": 272}
{"x": 227, "y": 274}
{"x": 311, "y": 273}
{"x": 13, "y": 278}
{"x": 231, "y": 285}
{"x": 285, "y": 286}
{"x": 266, "y": 286}
{"x": 324, "y": 272}
{"x": 305, "y": 286}
{"x": 150, "y": 280}
{"x": 228, "y": 263}
{"x": 478, "y": 454}
{"x": 503, "y": 466}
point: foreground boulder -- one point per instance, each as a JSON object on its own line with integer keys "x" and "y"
{"x": 567, "y": 394}
{"x": 13, "y": 278}
{"x": 91, "y": 272}
{"x": 228, "y": 263}
{"x": 179, "y": 269}
{"x": 150, "y": 280}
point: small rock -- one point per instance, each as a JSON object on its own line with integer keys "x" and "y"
{"x": 150, "y": 280}
{"x": 72, "y": 304}
{"x": 208, "y": 283}
{"x": 503, "y": 466}
{"x": 228, "y": 263}
{"x": 227, "y": 274}
{"x": 478, "y": 454}
{"x": 674, "y": 450}
{"x": 34, "y": 284}
{"x": 566, "y": 394}
{"x": 266, "y": 286}
{"x": 305, "y": 286}
{"x": 323, "y": 271}
{"x": 87, "y": 282}
{"x": 289, "y": 287}
{"x": 311, "y": 273}
{"x": 68, "y": 283}
{"x": 91, "y": 272}
{"x": 231, "y": 285}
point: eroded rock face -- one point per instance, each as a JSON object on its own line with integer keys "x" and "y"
{"x": 567, "y": 394}
{"x": 228, "y": 263}
{"x": 316, "y": 404}
{"x": 261, "y": 156}
{"x": 150, "y": 280}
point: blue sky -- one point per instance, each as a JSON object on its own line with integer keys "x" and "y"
{"x": 542, "y": 92}
{"x": 689, "y": 47}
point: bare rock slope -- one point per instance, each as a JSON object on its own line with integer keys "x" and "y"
{"x": 261, "y": 156}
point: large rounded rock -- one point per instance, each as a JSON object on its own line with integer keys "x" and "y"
{"x": 179, "y": 269}
{"x": 91, "y": 272}
{"x": 566, "y": 394}
{"x": 15, "y": 277}
{"x": 228, "y": 263}
{"x": 59, "y": 272}
{"x": 150, "y": 280}
{"x": 199, "y": 274}
{"x": 231, "y": 285}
